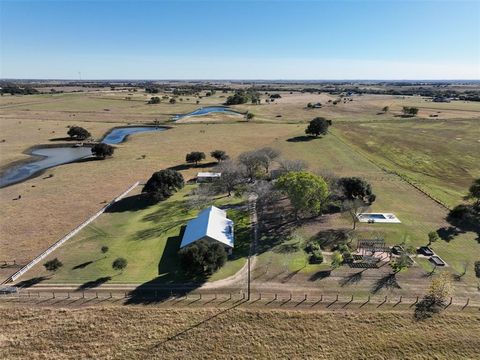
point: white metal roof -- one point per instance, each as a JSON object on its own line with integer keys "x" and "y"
{"x": 209, "y": 174}
{"x": 211, "y": 223}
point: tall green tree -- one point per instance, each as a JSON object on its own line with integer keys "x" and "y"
{"x": 308, "y": 193}
{"x": 318, "y": 126}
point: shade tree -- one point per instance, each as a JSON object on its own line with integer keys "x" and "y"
{"x": 318, "y": 126}
{"x": 354, "y": 188}
{"x": 308, "y": 193}
{"x": 195, "y": 157}
{"x": 219, "y": 155}
{"x": 202, "y": 257}
{"x": 163, "y": 184}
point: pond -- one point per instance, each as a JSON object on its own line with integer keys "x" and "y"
{"x": 207, "y": 110}
{"x": 54, "y": 156}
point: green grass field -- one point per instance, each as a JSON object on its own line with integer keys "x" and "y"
{"x": 148, "y": 237}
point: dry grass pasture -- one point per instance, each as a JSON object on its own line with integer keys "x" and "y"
{"x": 209, "y": 333}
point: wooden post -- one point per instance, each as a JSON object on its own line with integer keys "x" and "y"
{"x": 276, "y": 296}
{"x": 53, "y": 295}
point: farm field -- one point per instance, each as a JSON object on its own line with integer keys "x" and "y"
{"x": 148, "y": 237}
{"x": 440, "y": 156}
{"x": 361, "y": 143}
{"x": 207, "y": 333}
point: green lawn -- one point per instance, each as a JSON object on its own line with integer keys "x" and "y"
{"x": 148, "y": 237}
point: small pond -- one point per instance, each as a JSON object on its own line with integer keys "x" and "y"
{"x": 54, "y": 156}
{"x": 207, "y": 110}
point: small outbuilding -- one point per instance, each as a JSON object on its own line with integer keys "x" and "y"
{"x": 211, "y": 224}
{"x": 203, "y": 177}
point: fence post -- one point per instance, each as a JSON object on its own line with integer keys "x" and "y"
{"x": 305, "y": 298}
{"x": 96, "y": 295}
{"x": 53, "y": 295}
{"x": 351, "y": 299}
{"x": 276, "y": 296}
{"x": 290, "y": 298}
{"x": 336, "y": 298}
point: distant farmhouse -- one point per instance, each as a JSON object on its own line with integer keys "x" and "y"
{"x": 211, "y": 224}
{"x": 203, "y": 177}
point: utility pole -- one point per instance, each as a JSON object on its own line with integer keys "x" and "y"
{"x": 248, "y": 279}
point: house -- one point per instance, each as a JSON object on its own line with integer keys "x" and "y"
{"x": 203, "y": 177}
{"x": 211, "y": 224}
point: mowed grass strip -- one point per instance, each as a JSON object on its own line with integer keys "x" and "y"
{"x": 169, "y": 333}
{"x": 147, "y": 236}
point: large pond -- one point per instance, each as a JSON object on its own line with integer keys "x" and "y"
{"x": 53, "y": 156}
{"x": 207, "y": 110}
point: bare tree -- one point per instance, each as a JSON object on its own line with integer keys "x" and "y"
{"x": 252, "y": 160}
{"x": 232, "y": 174}
{"x": 292, "y": 165}
{"x": 355, "y": 207}
{"x": 267, "y": 156}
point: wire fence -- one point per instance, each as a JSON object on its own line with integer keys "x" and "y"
{"x": 294, "y": 300}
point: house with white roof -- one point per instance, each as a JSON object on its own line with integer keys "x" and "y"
{"x": 211, "y": 224}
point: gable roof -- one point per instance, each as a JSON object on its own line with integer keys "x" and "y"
{"x": 210, "y": 223}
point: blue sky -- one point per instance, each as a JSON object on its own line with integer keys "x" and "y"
{"x": 240, "y": 39}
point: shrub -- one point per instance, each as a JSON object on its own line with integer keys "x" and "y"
{"x": 119, "y": 264}
{"x": 314, "y": 252}
{"x": 53, "y": 265}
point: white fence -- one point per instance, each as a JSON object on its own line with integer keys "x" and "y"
{"x": 54, "y": 246}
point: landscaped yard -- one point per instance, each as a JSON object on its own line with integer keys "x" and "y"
{"x": 148, "y": 237}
